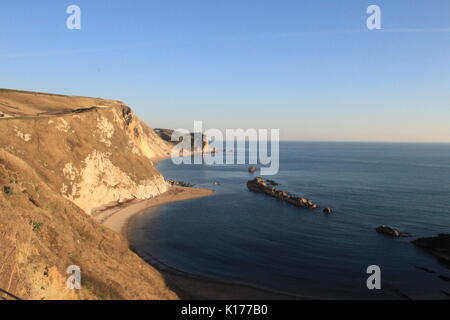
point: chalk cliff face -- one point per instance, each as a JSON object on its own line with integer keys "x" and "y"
{"x": 61, "y": 159}
{"x": 198, "y": 143}
{"x": 94, "y": 152}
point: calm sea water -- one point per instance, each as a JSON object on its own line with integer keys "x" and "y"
{"x": 244, "y": 237}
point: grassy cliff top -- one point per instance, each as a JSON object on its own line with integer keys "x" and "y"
{"x": 16, "y": 103}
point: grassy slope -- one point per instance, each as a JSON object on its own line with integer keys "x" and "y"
{"x": 42, "y": 233}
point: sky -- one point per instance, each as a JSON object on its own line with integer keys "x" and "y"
{"x": 309, "y": 68}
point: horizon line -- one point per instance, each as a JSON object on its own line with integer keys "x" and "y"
{"x": 346, "y": 141}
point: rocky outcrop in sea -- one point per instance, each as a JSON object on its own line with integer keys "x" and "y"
{"x": 437, "y": 246}
{"x": 391, "y": 231}
{"x": 260, "y": 185}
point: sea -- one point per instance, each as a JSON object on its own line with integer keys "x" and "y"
{"x": 238, "y": 236}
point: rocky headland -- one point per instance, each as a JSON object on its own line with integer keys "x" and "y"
{"x": 198, "y": 143}
{"x": 62, "y": 160}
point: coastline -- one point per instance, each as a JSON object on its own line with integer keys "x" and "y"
{"x": 194, "y": 287}
{"x": 119, "y": 217}
{"x": 185, "y": 285}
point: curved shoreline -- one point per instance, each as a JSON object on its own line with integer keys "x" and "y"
{"x": 197, "y": 287}
{"x": 186, "y": 285}
{"x": 119, "y": 217}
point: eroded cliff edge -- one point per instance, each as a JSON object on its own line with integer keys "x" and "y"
{"x": 61, "y": 159}
{"x": 94, "y": 152}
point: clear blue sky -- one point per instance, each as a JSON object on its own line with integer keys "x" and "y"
{"x": 310, "y": 68}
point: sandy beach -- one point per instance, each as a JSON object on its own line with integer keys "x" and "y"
{"x": 186, "y": 286}
{"x": 118, "y": 217}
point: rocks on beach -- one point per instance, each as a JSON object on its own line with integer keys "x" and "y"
{"x": 391, "y": 231}
{"x": 179, "y": 183}
{"x": 260, "y": 185}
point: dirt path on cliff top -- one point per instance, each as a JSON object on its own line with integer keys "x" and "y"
{"x": 53, "y": 114}
{"x": 16, "y": 104}
{"x": 117, "y": 218}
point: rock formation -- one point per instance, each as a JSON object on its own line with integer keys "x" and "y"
{"x": 260, "y": 185}
{"x": 198, "y": 143}
{"x": 437, "y": 246}
{"x": 180, "y": 183}
{"x": 272, "y": 182}
{"x": 62, "y": 157}
{"x": 391, "y": 231}
{"x": 94, "y": 152}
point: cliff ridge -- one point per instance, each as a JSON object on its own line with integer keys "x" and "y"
{"x": 62, "y": 159}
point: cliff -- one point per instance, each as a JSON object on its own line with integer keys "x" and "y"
{"x": 61, "y": 159}
{"x": 198, "y": 143}
{"x": 94, "y": 152}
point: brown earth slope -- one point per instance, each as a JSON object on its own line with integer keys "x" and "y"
{"x": 61, "y": 159}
